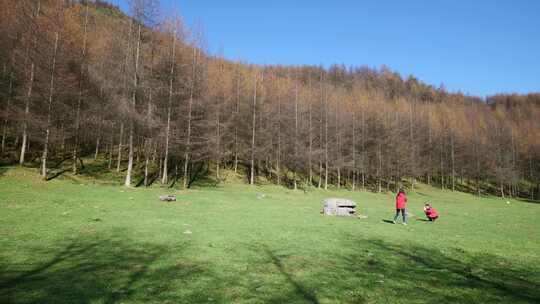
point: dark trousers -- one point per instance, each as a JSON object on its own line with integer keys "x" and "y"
{"x": 403, "y": 214}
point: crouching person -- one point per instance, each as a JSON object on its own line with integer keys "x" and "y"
{"x": 430, "y": 212}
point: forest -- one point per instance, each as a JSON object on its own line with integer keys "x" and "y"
{"x": 141, "y": 93}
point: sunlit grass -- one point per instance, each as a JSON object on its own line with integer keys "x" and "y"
{"x": 76, "y": 240}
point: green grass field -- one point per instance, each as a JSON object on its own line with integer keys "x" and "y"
{"x": 73, "y": 241}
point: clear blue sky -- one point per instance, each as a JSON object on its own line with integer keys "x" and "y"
{"x": 479, "y": 47}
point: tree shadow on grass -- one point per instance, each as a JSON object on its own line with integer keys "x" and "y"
{"x": 427, "y": 275}
{"x": 119, "y": 270}
{"x": 107, "y": 271}
{"x": 56, "y": 174}
{"x": 205, "y": 181}
{"x": 376, "y": 271}
{"x": 98, "y": 170}
{"x": 528, "y": 200}
{"x": 299, "y": 290}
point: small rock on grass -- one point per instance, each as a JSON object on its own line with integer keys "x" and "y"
{"x": 167, "y": 198}
{"x": 187, "y": 232}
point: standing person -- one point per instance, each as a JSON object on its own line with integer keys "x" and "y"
{"x": 401, "y": 205}
{"x": 430, "y": 212}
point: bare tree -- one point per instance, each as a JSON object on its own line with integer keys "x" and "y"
{"x": 236, "y": 122}
{"x": 8, "y": 104}
{"x": 164, "y": 179}
{"x": 278, "y": 156}
{"x": 80, "y": 96}
{"x": 295, "y": 132}
{"x": 310, "y": 136}
{"x": 190, "y": 113}
{"x": 49, "y": 109}
{"x": 253, "y": 128}
{"x": 326, "y": 138}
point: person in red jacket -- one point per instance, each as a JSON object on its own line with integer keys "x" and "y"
{"x": 401, "y": 205}
{"x": 430, "y": 212}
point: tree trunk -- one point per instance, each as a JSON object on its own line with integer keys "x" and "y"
{"x": 8, "y": 105}
{"x": 146, "y": 171}
{"x": 321, "y": 104}
{"x": 26, "y": 113}
{"x": 260, "y": 129}
{"x": 218, "y": 140}
{"x": 160, "y": 168}
{"x": 338, "y": 156}
{"x": 326, "y": 138}
{"x": 133, "y": 105}
{"x": 49, "y": 111}
{"x": 98, "y": 140}
{"x": 537, "y": 188}
{"x": 476, "y": 155}
{"x": 453, "y": 163}
{"x": 236, "y": 120}
{"x": 63, "y": 141}
{"x": 531, "y": 178}
{"x": 412, "y": 144}
{"x": 80, "y": 97}
{"x": 363, "y": 148}
{"x": 295, "y": 133}
{"x": 124, "y": 72}
{"x": 379, "y": 167}
{"x": 29, "y": 93}
{"x": 190, "y": 108}
{"x": 154, "y": 154}
{"x": 278, "y": 157}
{"x": 477, "y": 173}
{"x": 120, "y": 147}
{"x": 218, "y": 131}
{"x": 353, "y": 151}
{"x": 515, "y": 156}
{"x": 429, "y": 151}
{"x": 164, "y": 179}
{"x": 442, "y": 163}
{"x": 254, "y": 106}
{"x": 310, "y": 138}
{"x": 111, "y": 145}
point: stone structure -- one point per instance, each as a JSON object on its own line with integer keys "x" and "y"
{"x": 339, "y": 207}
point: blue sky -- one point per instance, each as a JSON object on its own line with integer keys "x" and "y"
{"x": 478, "y": 47}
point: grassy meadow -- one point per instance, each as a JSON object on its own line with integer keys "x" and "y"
{"x": 76, "y": 240}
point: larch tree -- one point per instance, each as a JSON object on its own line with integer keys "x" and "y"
{"x": 49, "y": 107}
{"x": 81, "y": 91}
{"x": 253, "y": 129}
{"x": 165, "y": 176}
